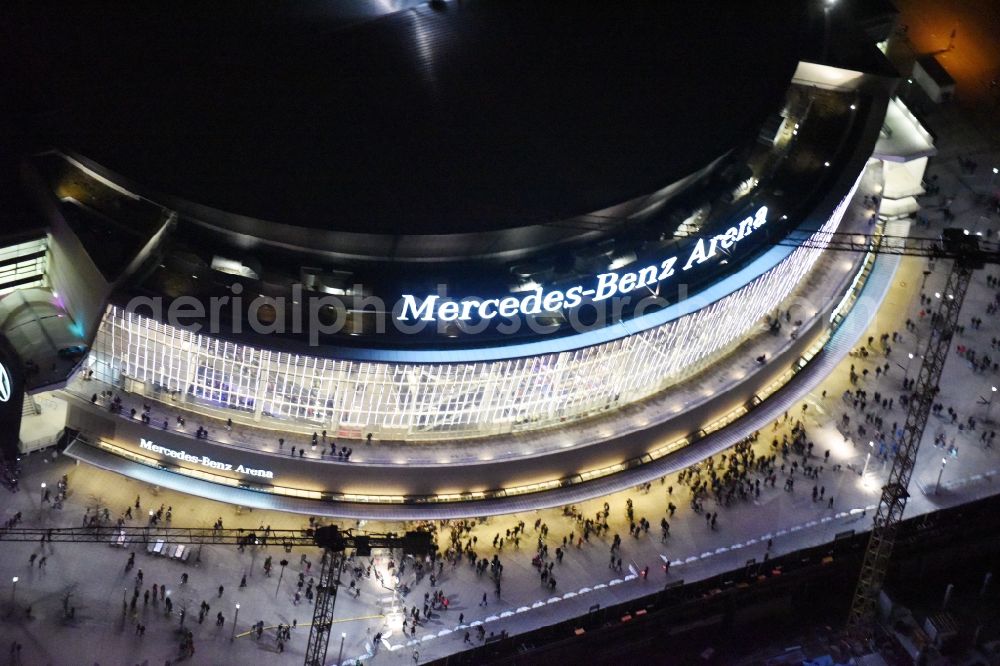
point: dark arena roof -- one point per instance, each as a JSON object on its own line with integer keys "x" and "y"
{"x": 401, "y": 117}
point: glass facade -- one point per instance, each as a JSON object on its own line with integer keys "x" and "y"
{"x": 24, "y": 265}
{"x": 440, "y": 400}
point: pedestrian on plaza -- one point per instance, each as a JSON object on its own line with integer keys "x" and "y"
{"x": 243, "y": 581}
{"x": 221, "y": 590}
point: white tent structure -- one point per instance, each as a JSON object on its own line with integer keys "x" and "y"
{"x": 903, "y": 146}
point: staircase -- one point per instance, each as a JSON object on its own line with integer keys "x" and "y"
{"x": 30, "y": 406}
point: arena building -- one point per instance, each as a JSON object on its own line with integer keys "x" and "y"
{"x": 436, "y": 259}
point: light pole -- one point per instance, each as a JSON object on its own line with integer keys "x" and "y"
{"x": 906, "y": 370}
{"x": 283, "y": 563}
{"x": 340, "y": 654}
{"x": 924, "y": 281}
{"x": 944, "y": 461}
{"x": 236, "y": 617}
{"x": 989, "y": 405}
{"x": 993, "y": 179}
{"x": 42, "y": 496}
{"x": 827, "y": 5}
{"x": 868, "y": 458}
{"x": 13, "y": 592}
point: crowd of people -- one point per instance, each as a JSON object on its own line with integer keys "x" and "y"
{"x": 320, "y": 445}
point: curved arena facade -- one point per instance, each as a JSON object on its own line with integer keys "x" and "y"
{"x": 464, "y": 306}
{"x": 429, "y": 401}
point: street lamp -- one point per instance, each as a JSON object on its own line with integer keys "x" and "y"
{"x": 906, "y": 370}
{"x": 13, "y": 591}
{"x": 43, "y": 491}
{"x": 283, "y": 563}
{"x": 236, "y": 617}
{"x": 944, "y": 461}
{"x": 868, "y": 458}
{"x": 827, "y": 5}
{"x": 340, "y": 654}
{"x": 924, "y": 281}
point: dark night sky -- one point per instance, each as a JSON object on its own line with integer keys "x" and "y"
{"x": 487, "y": 115}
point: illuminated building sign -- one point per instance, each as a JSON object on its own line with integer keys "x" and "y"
{"x": 613, "y": 283}
{"x": 204, "y": 461}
